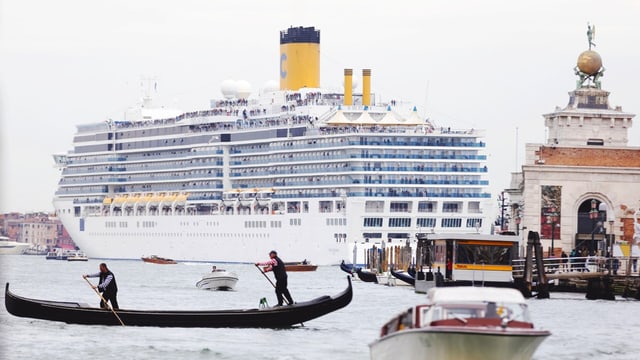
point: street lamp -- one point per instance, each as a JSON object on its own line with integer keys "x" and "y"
{"x": 552, "y": 217}
{"x": 610, "y": 245}
{"x": 593, "y": 215}
{"x": 501, "y": 200}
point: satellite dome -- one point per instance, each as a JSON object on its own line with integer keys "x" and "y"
{"x": 229, "y": 89}
{"x": 589, "y": 62}
{"x": 243, "y": 89}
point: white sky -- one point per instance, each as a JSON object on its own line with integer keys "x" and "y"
{"x": 496, "y": 65}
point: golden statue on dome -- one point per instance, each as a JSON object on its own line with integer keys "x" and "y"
{"x": 589, "y": 67}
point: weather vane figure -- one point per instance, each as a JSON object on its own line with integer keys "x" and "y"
{"x": 589, "y": 68}
{"x": 591, "y": 34}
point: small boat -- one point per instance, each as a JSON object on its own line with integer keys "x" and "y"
{"x": 154, "y": 259}
{"x": 367, "y": 276}
{"x": 9, "y": 247}
{"x": 404, "y": 276}
{"x": 261, "y": 317}
{"x": 300, "y": 266}
{"x": 59, "y": 254}
{"x": 348, "y": 268}
{"x": 463, "y": 322}
{"x": 218, "y": 279}
{"x": 77, "y": 256}
{"x": 35, "y": 250}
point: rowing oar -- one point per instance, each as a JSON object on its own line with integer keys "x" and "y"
{"x": 104, "y": 301}
{"x": 272, "y": 284}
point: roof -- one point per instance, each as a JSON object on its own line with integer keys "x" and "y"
{"x": 466, "y": 294}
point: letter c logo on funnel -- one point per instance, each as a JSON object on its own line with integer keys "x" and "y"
{"x": 283, "y": 59}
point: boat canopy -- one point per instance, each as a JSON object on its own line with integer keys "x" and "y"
{"x": 465, "y": 294}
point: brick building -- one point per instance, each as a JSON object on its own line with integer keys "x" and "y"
{"x": 582, "y": 186}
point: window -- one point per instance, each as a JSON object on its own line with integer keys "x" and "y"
{"x": 372, "y": 222}
{"x": 399, "y": 222}
{"x": 451, "y": 223}
{"x": 426, "y": 222}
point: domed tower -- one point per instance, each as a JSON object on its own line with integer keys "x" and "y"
{"x": 299, "y": 58}
{"x": 588, "y": 120}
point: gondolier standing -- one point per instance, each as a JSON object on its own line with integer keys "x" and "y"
{"x": 276, "y": 265}
{"x": 106, "y": 285}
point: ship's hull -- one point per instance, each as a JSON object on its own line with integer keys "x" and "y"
{"x": 212, "y": 238}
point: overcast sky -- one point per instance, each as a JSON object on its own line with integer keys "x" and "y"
{"x": 494, "y": 65}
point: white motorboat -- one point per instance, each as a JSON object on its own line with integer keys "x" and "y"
{"x": 8, "y": 247}
{"x": 77, "y": 256}
{"x": 461, "y": 323}
{"x": 35, "y": 250}
{"x": 218, "y": 279}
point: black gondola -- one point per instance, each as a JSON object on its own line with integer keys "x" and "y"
{"x": 348, "y": 268}
{"x": 269, "y": 317}
{"x": 404, "y": 277}
{"x": 367, "y": 276}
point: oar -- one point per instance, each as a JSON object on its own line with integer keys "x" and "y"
{"x": 272, "y": 284}
{"x": 104, "y": 301}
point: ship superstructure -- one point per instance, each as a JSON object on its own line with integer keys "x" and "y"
{"x": 298, "y": 169}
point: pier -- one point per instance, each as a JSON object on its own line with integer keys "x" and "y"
{"x": 598, "y": 276}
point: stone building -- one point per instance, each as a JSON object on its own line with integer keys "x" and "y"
{"x": 582, "y": 186}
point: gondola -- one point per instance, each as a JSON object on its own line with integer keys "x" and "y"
{"x": 267, "y": 317}
{"x": 367, "y": 276}
{"x": 404, "y": 277}
{"x": 348, "y": 268}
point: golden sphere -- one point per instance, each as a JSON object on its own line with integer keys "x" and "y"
{"x": 589, "y": 62}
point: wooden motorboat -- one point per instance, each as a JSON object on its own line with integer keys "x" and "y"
{"x": 218, "y": 279}
{"x": 267, "y": 317}
{"x": 154, "y": 259}
{"x": 300, "y": 266}
{"x": 461, "y": 323}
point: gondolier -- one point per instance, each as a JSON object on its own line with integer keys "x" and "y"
{"x": 106, "y": 285}
{"x": 276, "y": 265}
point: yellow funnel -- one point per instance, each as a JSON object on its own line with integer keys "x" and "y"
{"x": 299, "y": 58}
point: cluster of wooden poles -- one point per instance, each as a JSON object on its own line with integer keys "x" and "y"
{"x": 398, "y": 257}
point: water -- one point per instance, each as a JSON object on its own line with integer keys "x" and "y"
{"x": 581, "y": 329}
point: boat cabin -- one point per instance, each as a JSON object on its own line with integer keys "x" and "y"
{"x": 465, "y": 259}
{"x": 464, "y": 306}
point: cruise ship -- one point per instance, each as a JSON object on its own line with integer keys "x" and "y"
{"x": 313, "y": 174}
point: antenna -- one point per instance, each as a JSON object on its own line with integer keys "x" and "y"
{"x": 516, "y": 149}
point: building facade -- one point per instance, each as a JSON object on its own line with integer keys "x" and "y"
{"x": 38, "y": 229}
{"x": 580, "y": 189}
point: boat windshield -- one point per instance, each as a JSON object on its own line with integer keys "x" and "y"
{"x": 511, "y": 311}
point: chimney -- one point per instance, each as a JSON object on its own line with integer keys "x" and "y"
{"x": 348, "y": 87}
{"x": 366, "y": 87}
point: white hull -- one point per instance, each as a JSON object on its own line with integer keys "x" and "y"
{"x": 219, "y": 280}
{"x": 456, "y": 344}
{"x": 221, "y": 239}
{"x": 12, "y": 247}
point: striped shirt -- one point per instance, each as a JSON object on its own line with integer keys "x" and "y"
{"x": 106, "y": 281}
{"x": 270, "y": 264}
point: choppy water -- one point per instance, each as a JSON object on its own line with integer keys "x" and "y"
{"x": 581, "y": 329}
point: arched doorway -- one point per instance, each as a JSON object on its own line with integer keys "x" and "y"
{"x": 591, "y": 231}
